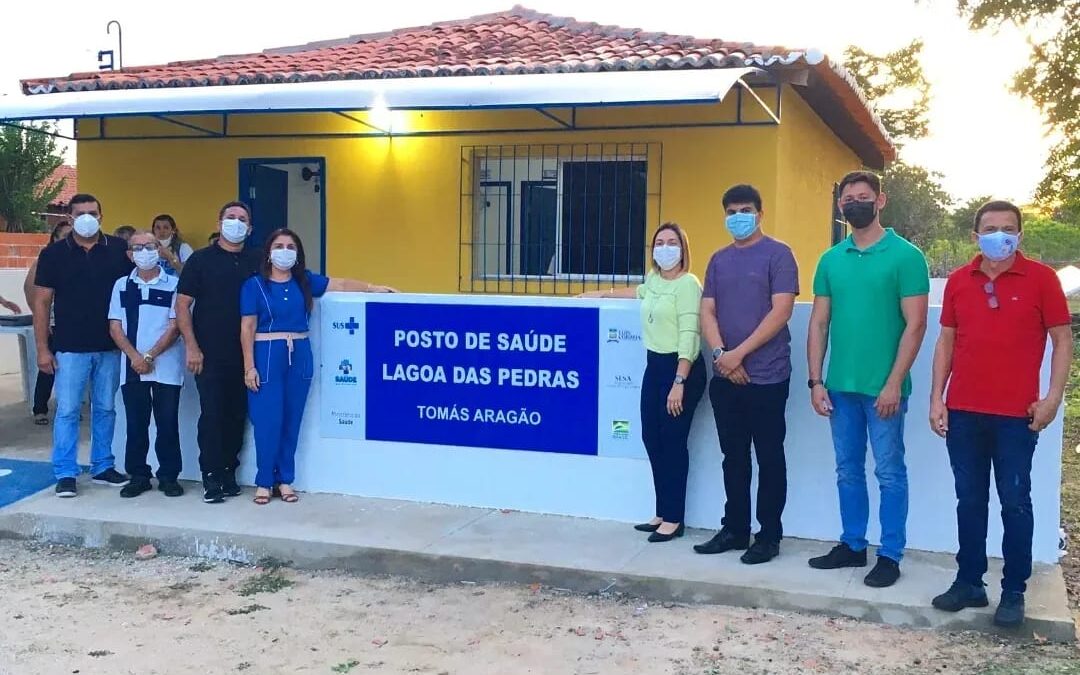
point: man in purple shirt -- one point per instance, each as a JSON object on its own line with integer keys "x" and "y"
{"x": 750, "y": 289}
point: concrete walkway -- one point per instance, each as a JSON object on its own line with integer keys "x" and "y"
{"x": 451, "y": 544}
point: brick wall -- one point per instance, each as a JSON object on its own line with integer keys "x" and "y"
{"x": 19, "y": 250}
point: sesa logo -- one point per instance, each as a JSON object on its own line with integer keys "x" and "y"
{"x": 349, "y": 325}
{"x": 622, "y": 382}
{"x": 615, "y": 335}
{"x": 620, "y": 429}
{"x": 346, "y": 376}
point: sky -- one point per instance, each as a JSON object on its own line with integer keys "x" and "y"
{"x": 984, "y": 140}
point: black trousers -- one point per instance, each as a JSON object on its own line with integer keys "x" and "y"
{"x": 665, "y": 436}
{"x": 223, "y": 399}
{"x": 140, "y": 399}
{"x": 43, "y": 387}
{"x": 752, "y": 414}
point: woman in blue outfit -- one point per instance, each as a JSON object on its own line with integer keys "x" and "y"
{"x": 278, "y": 366}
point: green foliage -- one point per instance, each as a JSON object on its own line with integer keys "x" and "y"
{"x": 917, "y": 205}
{"x": 1051, "y": 81}
{"x": 1051, "y": 241}
{"x": 897, "y": 87}
{"x": 963, "y": 217}
{"x": 27, "y": 161}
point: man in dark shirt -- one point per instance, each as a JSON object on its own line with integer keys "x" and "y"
{"x": 208, "y": 313}
{"x": 75, "y": 276}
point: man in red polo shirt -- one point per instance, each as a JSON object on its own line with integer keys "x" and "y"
{"x": 995, "y": 317}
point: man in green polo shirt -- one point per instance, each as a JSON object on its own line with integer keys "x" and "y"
{"x": 870, "y": 300}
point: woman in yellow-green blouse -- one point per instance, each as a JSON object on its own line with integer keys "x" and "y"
{"x": 674, "y": 379}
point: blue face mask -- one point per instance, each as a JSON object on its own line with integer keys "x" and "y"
{"x": 998, "y": 246}
{"x": 741, "y": 225}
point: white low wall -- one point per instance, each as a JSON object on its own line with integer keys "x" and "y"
{"x": 11, "y": 287}
{"x": 616, "y": 484}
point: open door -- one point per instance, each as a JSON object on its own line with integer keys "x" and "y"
{"x": 287, "y": 192}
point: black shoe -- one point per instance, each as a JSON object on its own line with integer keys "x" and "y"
{"x": 170, "y": 488}
{"x": 212, "y": 492}
{"x": 761, "y": 551}
{"x": 646, "y": 527}
{"x": 656, "y": 537}
{"x": 723, "y": 541}
{"x": 136, "y": 487}
{"x": 1010, "y": 610}
{"x": 65, "y": 487}
{"x": 959, "y": 596}
{"x": 841, "y": 555}
{"x": 884, "y": 574}
{"x": 229, "y": 485}
{"x": 112, "y": 478}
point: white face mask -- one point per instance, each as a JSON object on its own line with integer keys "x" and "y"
{"x": 667, "y": 257}
{"x": 86, "y": 225}
{"x": 283, "y": 258}
{"x": 165, "y": 242}
{"x": 145, "y": 259}
{"x": 235, "y": 231}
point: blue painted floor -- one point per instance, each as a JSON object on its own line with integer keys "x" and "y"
{"x": 25, "y": 478}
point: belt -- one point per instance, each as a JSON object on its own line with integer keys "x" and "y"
{"x": 287, "y": 337}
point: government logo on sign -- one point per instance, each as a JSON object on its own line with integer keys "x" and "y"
{"x": 349, "y": 325}
{"x": 620, "y": 429}
{"x": 346, "y": 376}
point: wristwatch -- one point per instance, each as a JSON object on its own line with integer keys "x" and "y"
{"x": 717, "y": 353}
{"x": 814, "y": 383}
{"x": 679, "y": 379}
{"x": 149, "y": 358}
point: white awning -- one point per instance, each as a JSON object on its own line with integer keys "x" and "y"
{"x": 415, "y": 93}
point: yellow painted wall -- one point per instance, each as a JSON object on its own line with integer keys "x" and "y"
{"x": 811, "y": 159}
{"x": 393, "y": 203}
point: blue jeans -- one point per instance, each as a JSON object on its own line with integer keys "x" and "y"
{"x": 853, "y": 420}
{"x": 976, "y": 441}
{"x": 101, "y": 370}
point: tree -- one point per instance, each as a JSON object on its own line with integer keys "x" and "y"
{"x": 1051, "y": 81}
{"x": 917, "y": 205}
{"x": 27, "y": 162}
{"x": 896, "y": 86}
{"x": 963, "y": 216}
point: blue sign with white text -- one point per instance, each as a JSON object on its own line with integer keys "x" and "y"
{"x": 485, "y": 376}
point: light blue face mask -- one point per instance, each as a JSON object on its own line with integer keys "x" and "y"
{"x": 741, "y": 225}
{"x": 998, "y": 246}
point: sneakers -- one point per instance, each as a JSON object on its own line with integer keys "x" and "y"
{"x": 959, "y": 596}
{"x": 228, "y": 483}
{"x": 840, "y": 556}
{"x": 111, "y": 478}
{"x": 761, "y": 551}
{"x": 884, "y": 574}
{"x": 1010, "y": 610}
{"x": 721, "y": 543}
{"x": 65, "y": 487}
{"x": 170, "y": 488}
{"x": 136, "y": 487}
{"x": 212, "y": 490}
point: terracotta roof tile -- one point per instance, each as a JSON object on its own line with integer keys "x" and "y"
{"x": 70, "y": 176}
{"x": 518, "y": 41}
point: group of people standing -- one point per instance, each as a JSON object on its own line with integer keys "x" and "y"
{"x": 135, "y": 311}
{"x": 869, "y": 313}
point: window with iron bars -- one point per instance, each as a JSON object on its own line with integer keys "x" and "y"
{"x": 556, "y": 218}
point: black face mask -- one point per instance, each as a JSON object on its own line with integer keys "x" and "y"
{"x": 860, "y": 214}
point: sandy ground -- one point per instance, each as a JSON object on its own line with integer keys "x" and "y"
{"x": 89, "y": 612}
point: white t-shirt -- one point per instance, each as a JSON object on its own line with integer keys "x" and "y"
{"x": 150, "y": 305}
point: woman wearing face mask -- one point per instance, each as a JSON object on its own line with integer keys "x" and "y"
{"x": 44, "y": 386}
{"x": 174, "y": 250}
{"x": 278, "y": 367}
{"x": 674, "y": 378}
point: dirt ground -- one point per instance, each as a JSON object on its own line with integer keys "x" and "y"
{"x": 100, "y": 612}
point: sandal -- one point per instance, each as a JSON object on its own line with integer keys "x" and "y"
{"x": 289, "y": 497}
{"x": 261, "y": 500}
{"x": 41, "y": 420}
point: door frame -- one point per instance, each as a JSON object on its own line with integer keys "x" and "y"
{"x": 243, "y": 190}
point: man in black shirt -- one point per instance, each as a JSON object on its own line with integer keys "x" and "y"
{"x": 75, "y": 276}
{"x": 208, "y": 313}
